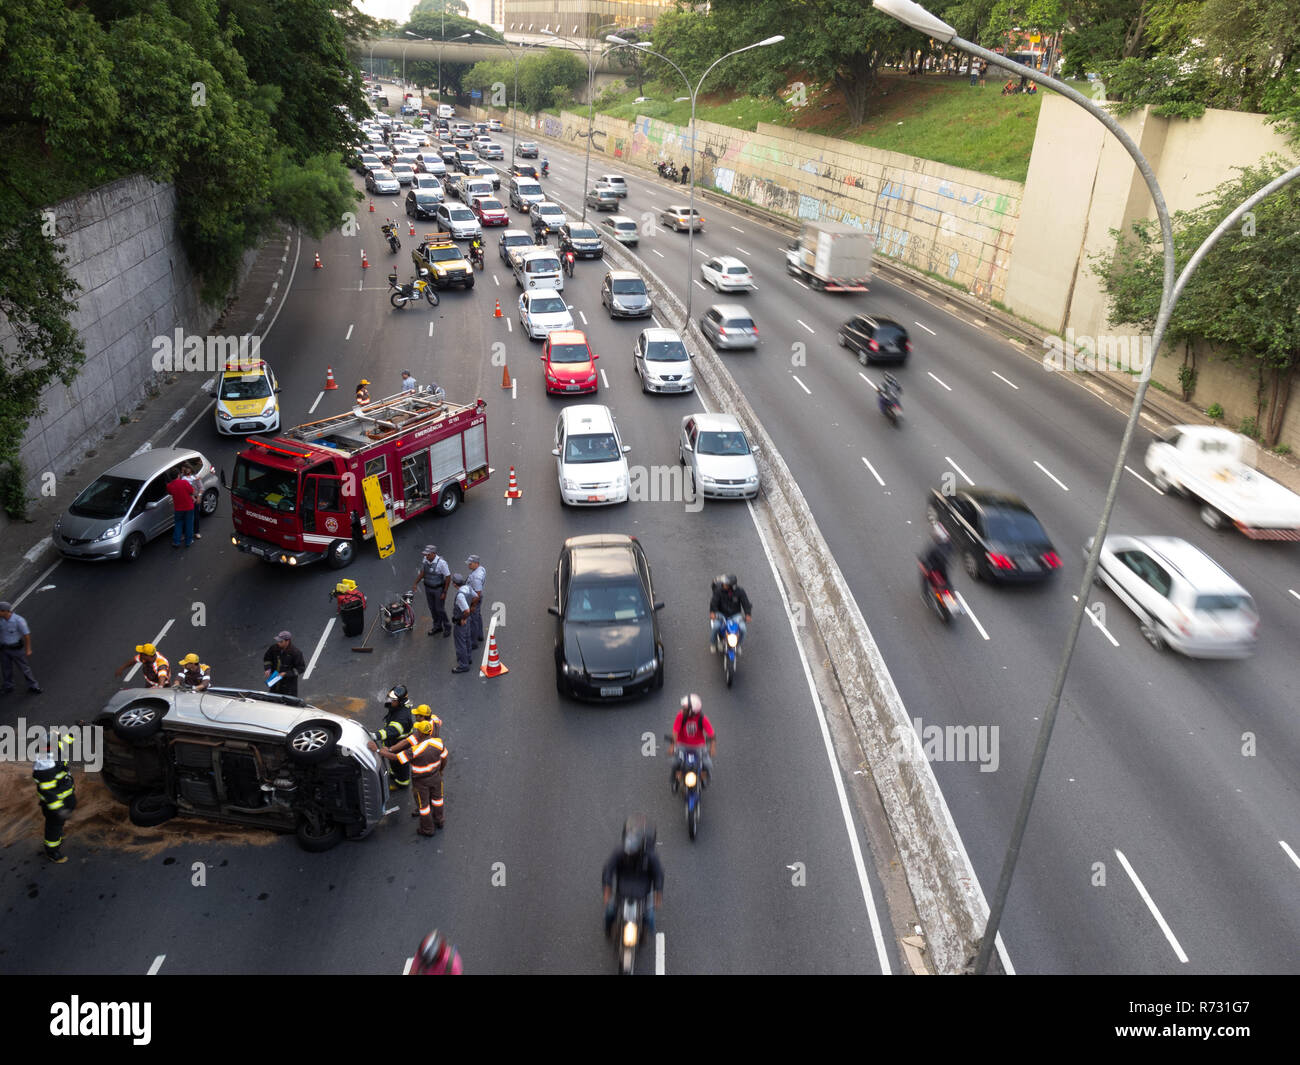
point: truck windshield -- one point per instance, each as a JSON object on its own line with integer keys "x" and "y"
{"x": 264, "y": 486}
{"x": 444, "y": 254}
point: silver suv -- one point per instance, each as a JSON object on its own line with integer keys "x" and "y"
{"x": 249, "y": 758}
{"x": 1183, "y": 598}
{"x": 123, "y": 509}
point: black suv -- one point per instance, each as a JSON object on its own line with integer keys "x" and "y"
{"x": 582, "y": 240}
{"x": 875, "y": 339}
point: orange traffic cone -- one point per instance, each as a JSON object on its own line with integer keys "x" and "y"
{"x": 330, "y": 383}
{"x": 319, "y": 265}
{"x": 497, "y": 313}
{"x": 514, "y": 491}
{"x": 372, "y": 206}
{"x": 505, "y": 376}
{"x": 412, "y": 229}
{"x": 365, "y": 263}
{"x": 494, "y": 668}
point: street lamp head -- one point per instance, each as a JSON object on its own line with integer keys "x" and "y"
{"x": 917, "y": 17}
{"x": 772, "y": 40}
{"x": 681, "y": 99}
{"x": 614, "y": 38}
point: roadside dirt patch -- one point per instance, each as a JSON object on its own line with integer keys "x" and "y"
{"x": 101, "y": 821}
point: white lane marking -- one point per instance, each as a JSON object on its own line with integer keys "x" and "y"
{"x": 802, "y": 385}
{"x": 1164, "y": 927}
{"x": 869, "y": 380}
{"x": 1050, "y": 474}
{"x": 406, "y": 969}
{"x": 496, "y": 281}
{"x": 1291, "y": 590}
{"x": 583, "y": 317}
{"x": 430, "y": 329}
{"x": 509, "y": 326}
{"x": 604, "y": 380}
{"x": 1093, "y": 618}
{"x": 926, "y": 328}
{"x": 141, "y": 449}
{"x": 743, "y": 251}
{"x": 514, "y": 388}
{"x": 938, "y": 381}
{"x": 349, "y": 333}
{"x": 157, "y": 964}
{"x": 53, "y": 565}
{"x": 737, "y": 229}
{"x": 657, "y": 252}
{"x": 970, "y": 614}
{"x": 1003, "y": 379}
{"x": 320, "y": 646}
{"x": 130, "y": 673}
{"x": 873, "y": 471}
{"x": 864, "y": 885}
{"x": 1143, "y": 480}
{"x": 701, "y": 251}
{"x": 659, "y": 954}
{"x": 656, "y": 321}
{"x": 801, "y": 284}
{"x": 702, "y": 284}
{"x": 319, "y": 397}
{"x": 1289, "y": 852}
{"x": 361, "y": 287}
{"x": 959, "y": 470}
{"x": 806, "y": 326}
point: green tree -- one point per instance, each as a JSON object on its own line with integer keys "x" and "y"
{"x": 440, "y": 7}
{"x": 1244, "y": 296}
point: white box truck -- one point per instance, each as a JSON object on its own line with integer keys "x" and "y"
{"x": 1216, "y": 468}
{"x": 832, "y": 256}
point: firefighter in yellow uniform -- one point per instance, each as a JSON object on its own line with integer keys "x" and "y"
{"x": 427, "y": 756}
{"x": 193, "y": 674}
{"x": 57, "y": 795}
{"x": 155, "y": 669}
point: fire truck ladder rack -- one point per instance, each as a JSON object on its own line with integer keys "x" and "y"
{"x": 363, "y": 426}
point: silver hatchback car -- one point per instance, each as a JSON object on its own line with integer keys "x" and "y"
{"x": 1183, "y": 598}
{"x": 729, "y": 325}
{"x": 124, "y": 508}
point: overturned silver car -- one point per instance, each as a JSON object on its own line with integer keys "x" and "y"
{"x": 245, "y": 757}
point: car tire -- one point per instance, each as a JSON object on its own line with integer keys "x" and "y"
{"x": 151, "y": 809}
{"x": 132, "y": 547}
{"x": 209, "y": 501}
{"x": 449, "y": 500}
{"x": 316, "y": 841}
{"x": 659, "y": 677}
{"x": 644, "y": 391}
{"x": 340, "y": 554}
{"x": 1213, "y": 517}
{"x": 140, "y": 719}
{"x": 470, "y": 283}
{"x": 1163, "y": 483}
{"x": 842, "y": 340}
{"x": 862, "y": 356}
{"x": 971, "y": 563}
{"x": 1151, "y": 633}
{"x": 312, "y": 742}
{"x": 559, "y": 683}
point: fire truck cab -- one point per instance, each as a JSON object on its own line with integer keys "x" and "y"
{"x": 320, "y": 489}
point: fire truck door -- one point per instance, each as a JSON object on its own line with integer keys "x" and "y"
{"x": 323, "y": 512}
{"x": 378, "y": 516}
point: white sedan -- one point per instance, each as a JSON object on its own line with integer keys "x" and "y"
{"x": 716, "y": 451}
{"x": 727, "y": 274}
{"x": 541, "y": 311}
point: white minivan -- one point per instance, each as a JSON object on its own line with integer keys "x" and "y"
{"x": 538, "y": 269}
{"x": 446, "y": 111}
{"x": 524, "y": 192}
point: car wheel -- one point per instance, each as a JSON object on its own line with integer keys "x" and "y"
{"x": 1151, "y": 633}
{"x": 932, "y": 514}
{"x": 659, "y": 677}
{"x": 644, "y": 391}
{"x": 319, "y": 837}
{"x": 843, "y": 342}
{"x": 140, "y": 719}
{"x": 150, "y": 809}
{"x": 340, "y": 554}
{"x": 209, "y": 503}
{"x": 862, "y": 356}
{"x": 1212, "y": 517}
{"x": 449, "y": 500}
{"x": 972, "y": 563}
{"x": 311, "y": 743}
{"x": 559, "y": 682}
{"x": 1162, "y": 482}
{"x": 132, "y": 547}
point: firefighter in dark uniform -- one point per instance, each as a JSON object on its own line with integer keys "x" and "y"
{"x": 427, "y": 755}
{"x": 397, "y": 726}
{"x": 57, "y": 795}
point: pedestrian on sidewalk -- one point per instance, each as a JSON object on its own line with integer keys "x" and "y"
{"x": 460, "y": 615}
{"x": 57, "y": 795}
{"x": 16, "y": 647}
{"x": 686, "y": 173}
{"x": 284, "y": 658}
{"x": 182, "y": 493}
{"x": 477, "y": 578}
{"x": 435, "y": 575}
{"x": 155, "y": 669}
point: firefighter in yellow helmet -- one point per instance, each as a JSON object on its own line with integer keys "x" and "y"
{"x": 427, "y": 756}
{"x": 155, "y": 669}
{"x": 193, "y": 674}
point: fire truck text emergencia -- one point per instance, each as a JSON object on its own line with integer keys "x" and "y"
{"x": 318, "y": 490}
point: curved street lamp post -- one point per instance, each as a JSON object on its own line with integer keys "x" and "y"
{"x": 916, "y": 17}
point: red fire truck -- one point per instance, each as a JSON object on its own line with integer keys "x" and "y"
{"x": 320, "y": 489}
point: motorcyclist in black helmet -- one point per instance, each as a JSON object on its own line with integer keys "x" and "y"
{"x": 633, "y": 872}
{"x": 728, "y": 601}
{"x": 934, "y": 561}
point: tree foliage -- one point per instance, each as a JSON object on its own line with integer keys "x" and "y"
{"x": 1245, "y": 295}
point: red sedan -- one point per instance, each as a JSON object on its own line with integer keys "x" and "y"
{"x": 489, "y": 212}
{"x": 568, "y": 364}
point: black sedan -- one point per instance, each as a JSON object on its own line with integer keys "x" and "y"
{"x": 875, "y": 339}
{"x": 996, "y": 536}
{"x": 582, "y": 240}
{"x": 607, "y": 643}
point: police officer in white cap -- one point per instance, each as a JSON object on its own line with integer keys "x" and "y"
{"x": 460, "y": 622}
{"x": 15, "y": 649}
{"x": 477, "y": 577}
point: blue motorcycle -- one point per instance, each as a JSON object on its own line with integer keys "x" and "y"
{"x": 728, "y": 644}
{"x": 690, "y": 778}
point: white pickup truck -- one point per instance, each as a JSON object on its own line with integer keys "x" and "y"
{"x": 1216, "y": 467}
